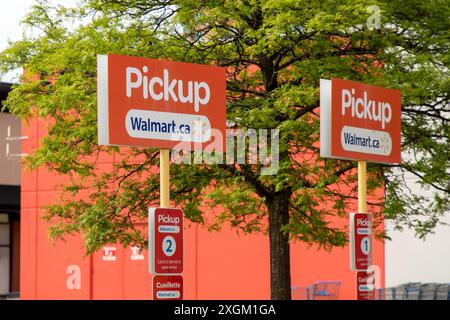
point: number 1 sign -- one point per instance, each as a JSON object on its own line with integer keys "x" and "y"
{"x": 165, "y": 240}
{"x": 360, "y": 241}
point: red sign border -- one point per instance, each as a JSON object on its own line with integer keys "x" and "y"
{"x": 152, "y": 242}
{"x": 354, "y": 243}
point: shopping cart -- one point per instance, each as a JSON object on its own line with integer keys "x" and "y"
{"x": 443, "y": 291}
{"x": 321, "y": 290}
{"x": 325, "y": 290}
{"x": 415, "y": 291}
{"x": 385, "y": 294}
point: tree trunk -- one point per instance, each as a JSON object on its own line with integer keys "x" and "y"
{"x": 280, "y": 259}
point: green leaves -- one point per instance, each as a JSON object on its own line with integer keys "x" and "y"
{"x": 275, "y": 53}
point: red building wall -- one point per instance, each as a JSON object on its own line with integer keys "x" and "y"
{"x": 218, "y": 265}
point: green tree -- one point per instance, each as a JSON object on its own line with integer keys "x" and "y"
{"x": 276, "y": 51}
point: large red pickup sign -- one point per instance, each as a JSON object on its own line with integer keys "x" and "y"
{"x": 159, "y": 103}
{"x": 359, "y": 121}
{"x": 167, "y": 287}
{"x": 360, "y": 241}
{"x": 364, "y": 286}
{"x": 166, "y": 240}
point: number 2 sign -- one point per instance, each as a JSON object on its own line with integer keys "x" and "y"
{"x": 169, "y": 246}
{"x": 165, "y": 240}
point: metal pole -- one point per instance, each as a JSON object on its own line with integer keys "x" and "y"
{"x": 164, "y": 176}
{"x": 362, "y": 186}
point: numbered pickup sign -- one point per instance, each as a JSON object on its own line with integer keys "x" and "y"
{"x": 166, "y": 240}
{"x": 167, "y": 287}
{"x": 365, "y": 286}
{"x": 360, "y": 241}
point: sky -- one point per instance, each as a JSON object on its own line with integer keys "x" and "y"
{"x": 10, "y": 28}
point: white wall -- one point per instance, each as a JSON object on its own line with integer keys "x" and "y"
{"x": 409, "y": 259}
{"x": 9, "y": 169}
